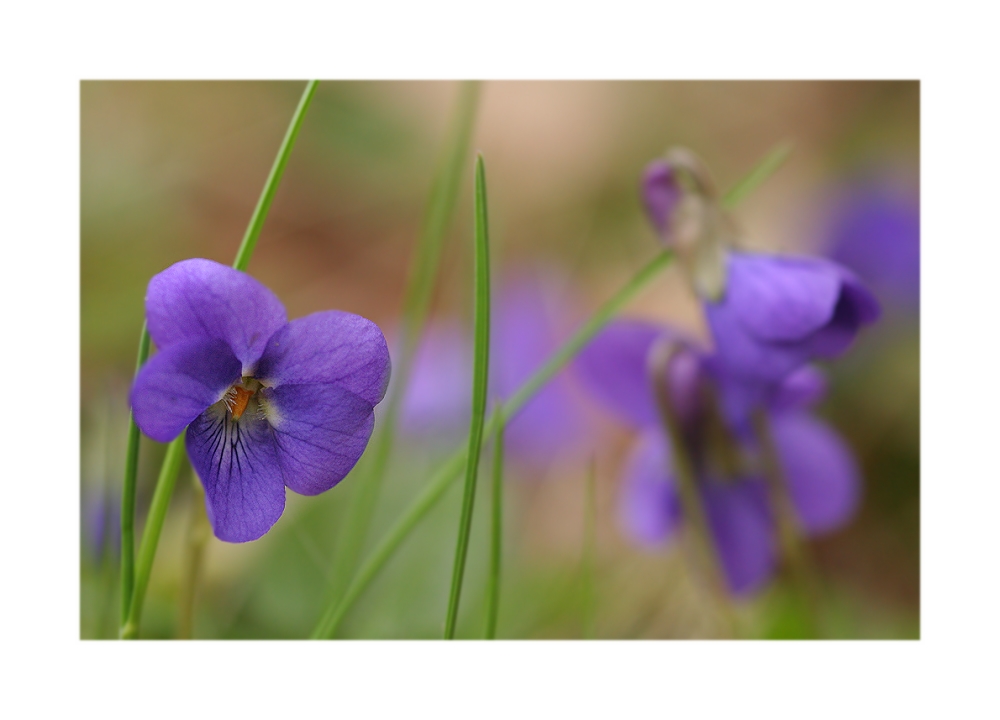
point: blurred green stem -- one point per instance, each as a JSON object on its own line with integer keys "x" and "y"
{"x": 151, "y": 533}
{"x": 589, "y": 561}
{"x": 423, "y": 274}
{"x": 480, "y": 381}
{"x": 764, "y": 169}
{"x": 793, "y": 550}
{"x": 128, "y": 496}
{"x": 707, "y": 556}
{"x": 451, "y": 468}
{"x": 496, "y": 528}
{"x": 132, "y": 610}
{"x": 198, "y": 532}
{"x": 273, "y": 179}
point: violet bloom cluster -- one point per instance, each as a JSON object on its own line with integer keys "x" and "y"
{"x": 267, "y": 403}
{"x": 775, "y": 313}
{"x": 769, "y": 317}
{"x": 821, "y": 473}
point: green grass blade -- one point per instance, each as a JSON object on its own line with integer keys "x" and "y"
{"x": 589, "y": 569}
{"x": 127, "y": 579}
{"x": 451, "y": 468}
{"x": 480, "y": 380}
{"x": 151, "y": 533}
{"x": 496, "y": 529}
{"x": 423, "y": 276}
{"x": 774, "y": 159}
{"x": 132, "y": 610}
{"x": 273, "y": 179}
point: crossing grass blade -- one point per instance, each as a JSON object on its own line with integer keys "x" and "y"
{"x": 764, "y": 169}
{"x": 480, "y": 381}
{"x": 496, "y": 529}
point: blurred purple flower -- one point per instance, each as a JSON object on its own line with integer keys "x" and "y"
{"x": 769, "y": 315}
{"x": 527, "y": 329}
{"x": 875, "y": 231}
{"x": 822, "y": 475}
{"x": 661, "y": 194}
{"x": 267, "y": 403}
{"x": 100, "y": 522}
{"x": 779, "y": 313}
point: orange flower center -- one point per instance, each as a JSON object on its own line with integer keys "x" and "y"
{"x": 236, "y": 400}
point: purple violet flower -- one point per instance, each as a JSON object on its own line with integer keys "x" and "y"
{"x": 779, "y": 313}
{"x": 661, "y": 193}
{"x": 267, "y": 403}
{"x": 769, "y": 315}
{"x": 822, "y": 475}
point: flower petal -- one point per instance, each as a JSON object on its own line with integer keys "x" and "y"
{"x": 178, "y": 383}
{"x": 855, "y": 307}
{"x": 613, "y": 368}
{"x": 332, "y": 347}
{"x": 875, "y": 231}
{"x": 203, "y": 299}
{"x": 823, "y": 477}
{"x": 439, "y": 394}
{"x": 650, "y": 509}
{"x": 528, "y": 325}
{"x": 660, "y": 193}
{"x": 744, "y": 356}
{"x": 779, "y": 298}
{"x": 320, "y": 431}
{"x": 238, "y": 466}
{"x": 743, "y": 532}
{"x": 803, "y": 388}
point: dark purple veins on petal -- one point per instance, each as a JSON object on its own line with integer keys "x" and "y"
{"x": 238, "y": 466}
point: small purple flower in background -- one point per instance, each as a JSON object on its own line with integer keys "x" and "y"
{"x": 661, "y": 195}
{"x": 100, "y": 522}
{"x": 439, "y": 395}
{"x": 822, "y": 476}
{"x": 875, "y": 230}
{"x": 779, "y": 313}
{"x": 527, "y": 328}
{"x": 267, "y": 403}
{"x": 768, "y": 315}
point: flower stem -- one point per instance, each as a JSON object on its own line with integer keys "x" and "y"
{"x": 151, "y": 534}
{"x": 132, "y": 610}
{"x": 793, "y": 550}
{"x": 588, "y": 569}
{"x": 198, "y": 532}
{"x": 274, "y": 177}
{"x": 423, "y": 274}
{"x": 128, "y": 496}
{"x": 496, "y": 529}
{"x": 480, "y": 380}
{"x": 774, "y": 159}
{"x": 451, "y": 468}
{"x": 707, "y": 554}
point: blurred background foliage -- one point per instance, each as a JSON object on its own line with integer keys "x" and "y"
{"x": 171, "y": 170}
